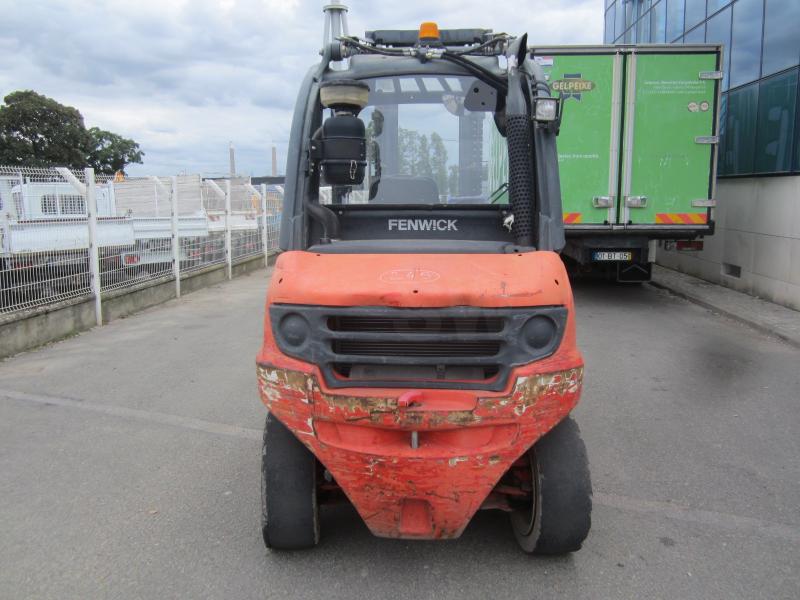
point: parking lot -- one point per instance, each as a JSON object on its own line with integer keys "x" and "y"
{"x": 129, "y": 467}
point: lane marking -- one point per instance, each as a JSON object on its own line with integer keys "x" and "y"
{"x": 625, "y": 503}
{"x": 698, "y": 515}
{"x": 142, "y": 415}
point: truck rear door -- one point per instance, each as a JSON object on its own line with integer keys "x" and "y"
{"x": 590, "y": 85}
{"x": 669, "y": 154}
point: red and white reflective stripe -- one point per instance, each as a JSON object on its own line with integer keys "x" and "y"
{"x": 682, "y": 218}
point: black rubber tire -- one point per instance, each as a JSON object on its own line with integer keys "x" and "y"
{"x": 560, "y": 516}
{"x": 289, "y": 511}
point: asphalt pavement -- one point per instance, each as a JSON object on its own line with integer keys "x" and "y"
{"x": 129, "y": 467}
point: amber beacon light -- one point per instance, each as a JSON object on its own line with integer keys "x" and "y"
{"x": 428, "y": 31}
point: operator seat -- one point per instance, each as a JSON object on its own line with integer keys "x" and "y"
{"x": 406, "y": 189}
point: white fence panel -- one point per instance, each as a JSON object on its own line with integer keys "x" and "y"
{"x": 46, "y": 231}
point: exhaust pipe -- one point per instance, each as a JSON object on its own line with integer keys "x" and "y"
{"x": 520, "y": 146}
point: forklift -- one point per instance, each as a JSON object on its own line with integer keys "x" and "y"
{"x": 419, "y": 356}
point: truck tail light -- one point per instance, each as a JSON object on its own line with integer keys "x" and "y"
{"x": 689, "y": 245}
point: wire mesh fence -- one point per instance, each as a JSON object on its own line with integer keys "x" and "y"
{"x": 63, "y": 237}
{"x": 127, "y": 264}
{"x": 199, "y": 252}
{"x": 41, "y": 273}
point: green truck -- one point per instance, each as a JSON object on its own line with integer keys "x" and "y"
{"x": 637, "y": 150}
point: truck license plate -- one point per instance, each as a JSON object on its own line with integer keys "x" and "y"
{"x": 606, "y": 255}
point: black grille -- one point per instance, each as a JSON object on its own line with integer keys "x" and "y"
{"x": 417, "y": 325}
{"x": 432, "y": 349}
{"x": 375, "y": 346}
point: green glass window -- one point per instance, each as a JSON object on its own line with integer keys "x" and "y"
{"x": 718, "y": 31}
{"x": 776, "y": 121}
{"x": 674, "y": 19}
{"x": 658, "y": 22}
{"x": 796, "y": 165}
{"x": 746, "y": 41}
{"x": 740, "y": 132}
{"x": 695, "y": 12}
{"x": 781, "y": 35}
{"x": 723, "y": 120}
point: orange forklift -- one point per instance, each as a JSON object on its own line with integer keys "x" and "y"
{"x": 419, "y": 354}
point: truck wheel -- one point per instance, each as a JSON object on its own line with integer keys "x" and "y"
{"x": 289, "y": 512}
{"x": 558, "y": 515}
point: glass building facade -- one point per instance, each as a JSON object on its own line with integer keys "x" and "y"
{"x": 760, "y": 111}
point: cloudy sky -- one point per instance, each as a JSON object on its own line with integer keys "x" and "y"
{"x": 185, "y": 77}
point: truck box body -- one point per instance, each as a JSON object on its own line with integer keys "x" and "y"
{"x": 637, "y": 148}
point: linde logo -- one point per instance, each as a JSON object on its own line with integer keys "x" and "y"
{"x": 422, "y": 225}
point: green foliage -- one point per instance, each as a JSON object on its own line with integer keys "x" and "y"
{"x": 111, "y": 152}
{"x": 37, "y": 131}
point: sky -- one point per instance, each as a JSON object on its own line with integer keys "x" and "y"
{"x": 184, "y": 78}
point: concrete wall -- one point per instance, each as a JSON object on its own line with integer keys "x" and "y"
{"x": 756, "y": 248}
{"x": 24, "y": 331}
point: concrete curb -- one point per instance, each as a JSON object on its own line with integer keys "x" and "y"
{"x": 24, "y": 331}
{"x": 766, "y": 317}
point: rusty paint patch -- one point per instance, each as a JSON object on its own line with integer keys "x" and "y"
{"x": 462, "y": 417}
{"x": 280, "y": 384}
{"x": 378, "y": 470}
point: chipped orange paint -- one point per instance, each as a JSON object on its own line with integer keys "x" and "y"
{"x": 467, "y": 438}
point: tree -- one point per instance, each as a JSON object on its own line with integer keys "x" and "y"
{"x": 423, "y": 158}
{"x": 408, "y": 148}
{"x": 438, "y": 162}
{"x": 110, "y": 152}
{"x": 452, "y": 180}
{"x": 37, "y": 131}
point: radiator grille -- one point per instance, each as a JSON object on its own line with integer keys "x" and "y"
{"x": 377, "y": 346}
{"x": 416, "y": 325}
{"x": 443, "y": 349}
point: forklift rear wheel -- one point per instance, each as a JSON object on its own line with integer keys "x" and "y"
{"x": 558, "y": 516}
{"x": 289, "y": 511}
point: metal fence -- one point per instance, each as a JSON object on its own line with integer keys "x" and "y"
{"x": 73, "y": 234}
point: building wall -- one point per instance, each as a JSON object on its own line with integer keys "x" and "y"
{"x": 758, "y": 196}
{"x": 756, "y": 247}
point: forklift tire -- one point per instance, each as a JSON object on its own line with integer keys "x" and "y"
{"x": 289, "y": 511}
{"x": 558, "y": 518}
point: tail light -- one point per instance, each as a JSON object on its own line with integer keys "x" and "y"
{"x": 689, "y": 245}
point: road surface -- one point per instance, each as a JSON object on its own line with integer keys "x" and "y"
{"x": 129, "y": 467}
